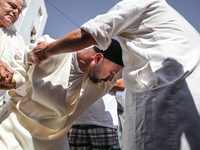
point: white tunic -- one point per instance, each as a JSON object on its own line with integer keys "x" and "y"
{"x": 39, "y": 117}
{"x": 12, "y": 50}
{"x": 161, "y": 53}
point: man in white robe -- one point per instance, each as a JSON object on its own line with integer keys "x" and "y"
{"x": 39, "y": 116}
{"x": 161, "y": 55}
{"x": 11, "y": 47}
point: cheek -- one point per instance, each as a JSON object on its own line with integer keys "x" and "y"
{"x": 15, "y": 20}
{"x": 2, "y": 13}
{"x": 104, "y": 74}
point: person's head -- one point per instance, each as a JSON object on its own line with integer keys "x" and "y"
{"x": 106, "y": 63}
{"x": 9, "y": 12}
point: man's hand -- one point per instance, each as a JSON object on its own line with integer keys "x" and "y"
{"x": 6, "y": 73}
{"x": 40, "y": 52}
{"x": 119, "y": 86}
{"x": 8, "y": 86}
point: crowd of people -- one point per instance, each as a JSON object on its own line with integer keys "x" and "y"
{"x": 60, "y": 89}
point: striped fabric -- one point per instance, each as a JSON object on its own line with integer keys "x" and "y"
{"x": 92, "y": 137}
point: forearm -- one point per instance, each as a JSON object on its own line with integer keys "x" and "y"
{"x": 74, "y": 41}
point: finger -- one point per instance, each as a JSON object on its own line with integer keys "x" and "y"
{"x": 4, "y": 87}
{"x": 2, "y": 72}
{"x": 36, "y": 61}
{"x": 10, "y": 85}
{"x": 8, "y": 69}
{"x": 9, "y": 74}
{"x": 1, "y": 76}
{"x": 39, "y": 43}
{"x": 9, "y": 77}
{"x": 2, "y": 81}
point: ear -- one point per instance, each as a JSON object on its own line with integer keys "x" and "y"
{"x": 98, "y": 58}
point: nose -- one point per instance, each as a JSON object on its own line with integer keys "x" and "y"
{"x": 16, "y": 13}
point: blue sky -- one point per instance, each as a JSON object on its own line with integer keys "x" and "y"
{"x": 80, "y": 11}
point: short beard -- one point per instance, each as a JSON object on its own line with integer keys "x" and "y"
{"x": 92, "y": 74}
{"x": 93, "y": 79}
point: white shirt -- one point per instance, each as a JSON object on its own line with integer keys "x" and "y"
{"x": 102, "y": 113}
{"x": 153, "y": 36}
{"x": 42, "y": 114}
{"x": 12, "y": 51}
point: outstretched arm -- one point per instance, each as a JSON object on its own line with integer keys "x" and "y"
{"x": 74, "y": 41}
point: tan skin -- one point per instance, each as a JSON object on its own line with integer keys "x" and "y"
{"x": 119, "y": 86}
{"x": 9, "y": 14}
{"x": 74, "y": 41}
{"x": 96, "y": 66}
{"x": 6, "y": 77}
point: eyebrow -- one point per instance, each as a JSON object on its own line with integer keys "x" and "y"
{"x": 16, "y": 7}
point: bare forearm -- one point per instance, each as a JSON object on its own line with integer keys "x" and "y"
{"x": 74, "y": 41}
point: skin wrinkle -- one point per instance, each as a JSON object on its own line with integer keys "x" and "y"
{"x": 9, "y": 12}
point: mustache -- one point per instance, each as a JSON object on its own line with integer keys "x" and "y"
{"x": 104, "y": 80}
{"x": 94, "y": 80}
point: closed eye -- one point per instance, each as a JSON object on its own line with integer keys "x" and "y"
{"x": 14, "y": 6}
{"x": 113, "y": 73}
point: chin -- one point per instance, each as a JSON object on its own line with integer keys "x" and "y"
{"x": 94, "y": 80}
{"x": 8, "y": 23}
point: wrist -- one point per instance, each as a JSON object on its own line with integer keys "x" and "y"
{"x": 47, "y": 52}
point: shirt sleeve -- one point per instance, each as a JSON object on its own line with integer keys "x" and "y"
{"x": 19, "y": 65}
{"x": 121, "y": 18}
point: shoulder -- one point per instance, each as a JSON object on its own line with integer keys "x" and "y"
{"x": 12, "y": 34}
{"x": 14, "y": 38}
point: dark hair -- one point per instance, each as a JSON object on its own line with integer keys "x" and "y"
{"x": 112, "y": 53}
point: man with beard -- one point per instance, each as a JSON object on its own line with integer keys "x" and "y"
{"x": 11, "y": 47}
{"x": 39, "y": 116}
{"x": 161, "y": 55}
